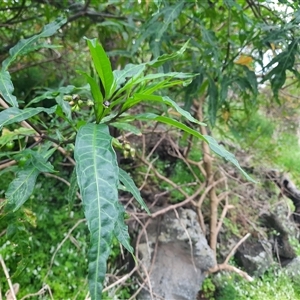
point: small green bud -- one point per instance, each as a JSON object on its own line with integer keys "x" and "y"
{"x": 68, "y": 98}
{"x": 22, "y": 161}
{"x": 132, "y": 152}
{"x": 75, "y": 97}
{"x": 75, "y": 108}
{"x": 90, "y": 102}
{"x": 10, "y": 145}
{"x": 126, "y": 154}
{"x": 126, "y": 146}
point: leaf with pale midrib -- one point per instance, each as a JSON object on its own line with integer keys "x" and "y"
{"x": 98, "y": 178}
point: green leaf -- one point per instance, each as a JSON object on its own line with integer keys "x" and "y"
{"x": 157, "y": 62}
{"x": 183, "y": 112}
{"x": 109, "y": 117}
{"x": 178, "y": 75}
{"x": 171, "y": 13}
{"x": 65, "y": 106}
{"x": 209, "y": 37}
{"x": 129, "y": 71}
{"x": 165, "y": 100}
{"x": 121, "y": 229}
{"x": 97, "y": 96}
{"x": 13, "y": 114}
{"x": 102, "y": 65}
{"x": 252, "y": 80}
{"x": 171, "y": 122}
{"x": 22, "y": 186}
{"x": 164, "y": 84}
{"x": 131, "y": 187}
{"x": 18, "y": 133}
{"x": 213, "y": 144}
{"x": 72, "y": 189}
{"x": 40, "y": 162}
{"x": 283, "y": 61}
{"x": 7, "y": 88}
{"x": 126, "y": 127}
{"x": 98, "y": 177}
{"x": 212, "y": 101}
{"x": 134, "y": 72}
{"x": 221, "y": 151}
{"x": 231, "y": 4}
{"x": 149, "y": 29}
{"x": 46, "y": 95}
{"x": 27, "y": 45}
{"x": 51, "y": 94}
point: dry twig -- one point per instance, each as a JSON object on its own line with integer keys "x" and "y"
{"x": 41, "y": 292}
{"x": 11, "y": 288}
{"x": 226, "y": 267}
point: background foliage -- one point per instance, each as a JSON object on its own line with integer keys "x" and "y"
{"x": 242, "y": 57}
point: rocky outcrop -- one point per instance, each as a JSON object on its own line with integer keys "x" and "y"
{"x": 288, "y": 189}
{"x": 176, "y": 255}
{"x": 257, "y": 255}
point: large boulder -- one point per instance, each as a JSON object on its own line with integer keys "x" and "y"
{"x": 176, "y": 255}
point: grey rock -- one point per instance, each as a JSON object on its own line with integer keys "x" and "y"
{"x": 292, "y": 268}
{"x": 181, "y": 258}
{"x": 255, "y": 257}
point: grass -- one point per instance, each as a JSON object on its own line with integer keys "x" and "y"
{"x": 276, "y": 284}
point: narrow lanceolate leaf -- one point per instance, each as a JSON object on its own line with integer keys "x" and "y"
{"x": 283, "y": 62}
{"x": 183, "y": 112}
{"x": 178, "y": 75}
{"x": 213, "y": 144}
{"x": 7, "y": 88}
{"x": 129, "y": 71}
{"x": 27, "y": 45}
{"x": 171, "y": 13}
{"x": 97, "y": 95}
{"x": 171, "y": 122}
{"x": 131, "y": 187}
{"x": 13, "y": 114}
{"x": 121, "y": 229}
{"x": 102, "y": 65}
{"x": 220, "y": 150}
{"x": 165, "y": 100}
{"x": 98, "y": 176}
{"x": 126, "y": 127}
{"x": 157, "y": 62}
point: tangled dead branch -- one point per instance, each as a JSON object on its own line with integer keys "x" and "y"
{"x": 215, "y": 199}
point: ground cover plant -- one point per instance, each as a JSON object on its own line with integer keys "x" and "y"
{"x": 229, "y": 286}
